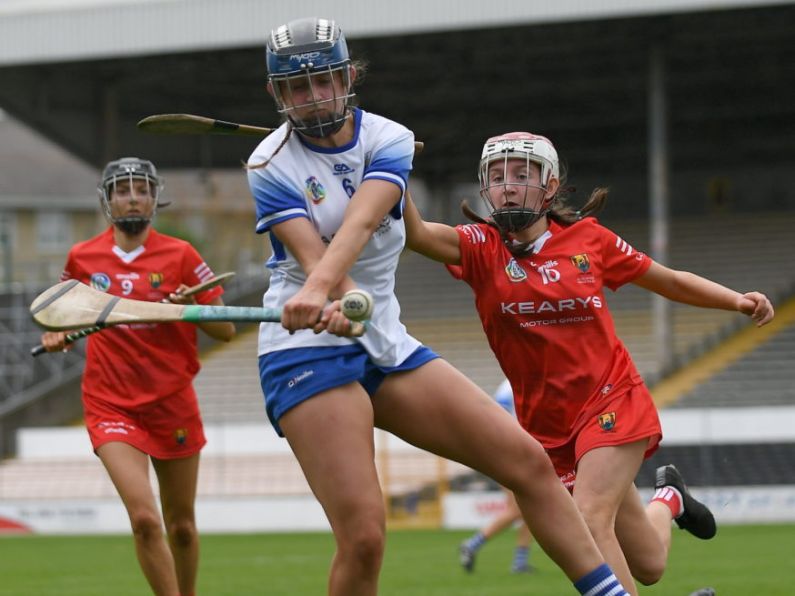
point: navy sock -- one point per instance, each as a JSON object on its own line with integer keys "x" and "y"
{"x": 520, "y": 556}
{"x": 600, "y": 582}
{"x": 476, "y": 541}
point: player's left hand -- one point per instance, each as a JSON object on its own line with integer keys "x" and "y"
{"x": 757, "y": 306}
{"x": 176, "y": 296}
{"x": 333, "y": 321}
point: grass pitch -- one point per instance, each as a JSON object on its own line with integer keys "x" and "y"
{"x": 741, "y": 560}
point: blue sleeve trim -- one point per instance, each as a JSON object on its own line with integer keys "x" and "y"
{"x": 264, "y": 224}
{"x": 274, "y": 198}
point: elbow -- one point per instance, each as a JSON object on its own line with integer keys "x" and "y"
{"x": 418, "y": 240}
{"x": 413, "y": 243}
{"x": 229, "y": 333}
{"x": 224, "y": 334}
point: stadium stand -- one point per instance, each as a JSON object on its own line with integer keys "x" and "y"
{"x": 18, "y": 371}
{"x": 438, "y": 310}
{"x": 228, "y": 469}
{"x": 763, "y": 377}
{"x": 228, "y": 383}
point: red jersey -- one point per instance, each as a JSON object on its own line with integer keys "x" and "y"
{"x": 131, "y": 365}
{"x": 547, "y": 321}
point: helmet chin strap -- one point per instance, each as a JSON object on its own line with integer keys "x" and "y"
{"x": 321, "y": 128}
{"x": 131, "y": 226}
{"x": 516, "y": 219}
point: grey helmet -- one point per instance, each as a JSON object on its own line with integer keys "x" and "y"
{"x": 304, "y": 49}
{"x": 129, "y": 168}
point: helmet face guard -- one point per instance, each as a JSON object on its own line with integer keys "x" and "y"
{"x": 530, "y": 202}
{"x": 303, "y": 53}
{"x": 129, "y": 169}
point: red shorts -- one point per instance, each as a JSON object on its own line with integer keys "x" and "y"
{"x": 169, "y": 428}
{"x": 627, "y": 418}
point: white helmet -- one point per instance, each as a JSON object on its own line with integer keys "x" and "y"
{"x": 536, "y": 148}
{"x": 531, "y": 148}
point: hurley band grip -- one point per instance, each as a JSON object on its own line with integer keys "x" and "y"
{"x": 55, "y": 296}
{"x": 100, "y": 322}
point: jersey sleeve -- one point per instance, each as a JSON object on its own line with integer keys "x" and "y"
{"x": 70, "y": 270}
{"x": 474, "y": 241}
{"x": 621, "y": 263}
{"x": 391, "y": 158}
{"x": 196, "y": 271}
{"x": 276, "y": 199}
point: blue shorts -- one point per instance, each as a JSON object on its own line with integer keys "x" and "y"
{"x": 290, "y": 377}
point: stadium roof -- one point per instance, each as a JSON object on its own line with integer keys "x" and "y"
{"x": 563, "y": 69}
{"x": 35, "y": 31}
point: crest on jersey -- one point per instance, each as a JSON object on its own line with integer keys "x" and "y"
{"x": 514, "y": 271}
{"x": 607, "y": 421}
{"x": 581, "y": 262}
{"x": 314, "y": 190}
{"x": 100, "y": 281}
{"x": 181, "y": 435}
{"x": 155, "y": 279}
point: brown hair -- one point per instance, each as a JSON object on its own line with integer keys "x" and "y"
{"x": 361, "y": 71}
{"x": 559, "y": 211}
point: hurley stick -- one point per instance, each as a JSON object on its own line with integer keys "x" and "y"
{"x": 189, "y": 124}
{"x": 191, "y": 291}
{"x": 73, "y": 305}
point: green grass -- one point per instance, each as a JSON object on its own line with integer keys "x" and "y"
{"x": 741, "y": 560}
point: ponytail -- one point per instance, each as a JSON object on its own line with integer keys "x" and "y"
{"x": 562, "y": 213}
{"x": 265, "y": 163}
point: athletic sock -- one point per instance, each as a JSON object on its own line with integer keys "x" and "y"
{"x": 475, "y": 542}
{"x": 671, "y": 498}
{"x": 600, "y": 582}
{"x": 520, "y": 556}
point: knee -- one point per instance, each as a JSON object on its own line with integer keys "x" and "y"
{"x": 146, "y": 525}
{"x": 648, "y": 572}
{"x": 365, "y": 544}
{"x": 599, "y": 518}
{"x": 182, "y": 532}
{"x": 647, "y": 566}
{"x": 529, "y": 470}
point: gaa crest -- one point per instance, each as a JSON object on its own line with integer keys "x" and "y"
{"x": 314, "y": 190}
{"x": 100, "y": 281}
{"x": 514, "y": 271}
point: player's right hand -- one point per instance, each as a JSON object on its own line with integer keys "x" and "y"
{"x": 757, "y": 306}
{"x": 55, "y": 341}
{"x": 304, "y": 310}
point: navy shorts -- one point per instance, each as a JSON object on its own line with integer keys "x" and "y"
{"x": 289, "y": 377}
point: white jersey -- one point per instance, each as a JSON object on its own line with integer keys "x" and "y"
{"x": 504, "y": 397}
{"x": 317, "y": 183}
